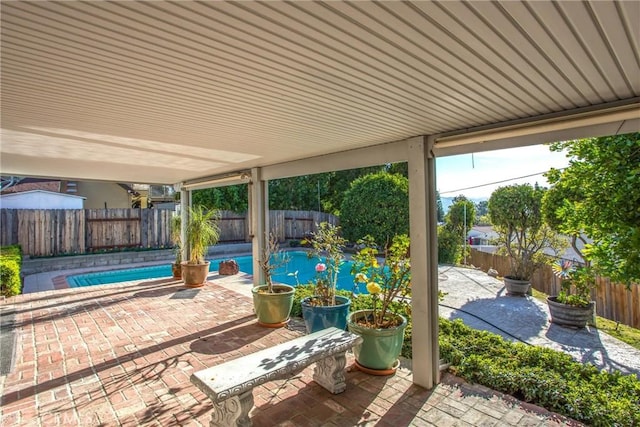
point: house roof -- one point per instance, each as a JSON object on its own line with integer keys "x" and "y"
{"x": 44, "y": 192}
{"x": 29, "y": 184}
{"x": 162, "y": 92}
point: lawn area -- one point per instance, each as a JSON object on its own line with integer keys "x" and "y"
{"x": 624, "y": 333}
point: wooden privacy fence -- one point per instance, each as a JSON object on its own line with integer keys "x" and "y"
{"x": 285, "y": 225}
{"x": 613, "y": 300}
{"x": 77, "y": 231}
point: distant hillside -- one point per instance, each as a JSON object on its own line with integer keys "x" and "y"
{"x": 448, "y": 201}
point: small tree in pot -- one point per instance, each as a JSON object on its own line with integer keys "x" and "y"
{"x": 272, "y": 302}
{"x": 202, "y": 231}
{"x": 515, "y": 212}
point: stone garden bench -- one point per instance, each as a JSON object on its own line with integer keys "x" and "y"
{"x": 230, "y": 384}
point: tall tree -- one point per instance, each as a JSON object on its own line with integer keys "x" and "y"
{"x": 598, "y": 195}
{"x": 338, "y": 184}
{"x": 303, "y": 193}
{"x": 462, "y": 212}
{"x": 482, "y": 208}
{"x": 231, "y": 198}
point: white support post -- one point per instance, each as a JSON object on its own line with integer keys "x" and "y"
{"x": 259, "y": 212}
{"x": 185, "y": 204}
{"x": 424, "y": 262}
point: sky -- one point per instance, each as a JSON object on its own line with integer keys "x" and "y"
{"x": 455, "y": 174}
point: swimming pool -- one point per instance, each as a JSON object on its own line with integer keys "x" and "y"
{"x": 298, "y": 262}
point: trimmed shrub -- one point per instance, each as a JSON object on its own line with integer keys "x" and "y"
{"x": 376, "y": 205}
{"x": 449, "y": 246}
{"x": 10, "y": 263}
{"x": 543, "y": 376}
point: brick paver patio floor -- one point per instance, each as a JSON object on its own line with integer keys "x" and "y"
{"x": 122, "y": 355}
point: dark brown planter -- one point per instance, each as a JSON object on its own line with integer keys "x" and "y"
{"x": 516, "y": 287}
{"x": 569, "y": 315}
{"x": 195, "y": 275}
{"x": 176, "y": 270}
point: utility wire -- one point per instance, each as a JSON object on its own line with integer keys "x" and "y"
{"x": 496, "y": 182}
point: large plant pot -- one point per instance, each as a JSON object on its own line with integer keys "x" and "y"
{"x": 195, "y": 275}
{"x": 516, "y": 287}
{"x": 317, "y": 318}
{"x": 176, "y": 270}
{"x": 273, "y": 309}
{"x": 569, "y": 315}
{"x": 380, "y": 348}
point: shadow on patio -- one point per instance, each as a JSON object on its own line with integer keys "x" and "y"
{"x": 123, "y": 354}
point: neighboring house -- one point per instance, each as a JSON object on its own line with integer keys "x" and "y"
{"x": 98, "y": 194}
{"x": 102, "y": 194}
{"x": 481, "y": 235}
{"x": 40, "y": 199}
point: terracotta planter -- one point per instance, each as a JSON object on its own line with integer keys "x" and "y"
{"x": 569, "y": 315}
{"x": 176, "y": 270}
{"x": 273, "y": 309}
{"x": 380, "y": 348}
{"x": 195, "y": 275}
{"x": 516, "y": 287}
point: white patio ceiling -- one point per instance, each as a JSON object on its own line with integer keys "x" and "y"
{"x": 171, "y": 91}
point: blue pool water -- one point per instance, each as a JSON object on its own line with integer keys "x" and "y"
{"x": 298, "y": 261}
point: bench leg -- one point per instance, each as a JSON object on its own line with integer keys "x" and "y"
{"x": 233, "y": 412}
{"x": 329, "y": 373}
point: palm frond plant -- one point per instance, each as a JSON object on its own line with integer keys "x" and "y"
{"x": 202, "y": 231}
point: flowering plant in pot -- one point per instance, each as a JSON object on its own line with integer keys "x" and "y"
{"x": 272, "y": 302}
{"x": 325, "y": 308}
{"x": 389, "y": 284}
{"x": 573, "y": 305}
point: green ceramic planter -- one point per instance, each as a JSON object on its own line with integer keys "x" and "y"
{"x": 274, "y": 308}
{"x": 380, "y": 348}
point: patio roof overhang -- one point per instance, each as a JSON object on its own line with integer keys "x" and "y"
{"x": 186, "y": 92}
{"x": 165, "y": 92}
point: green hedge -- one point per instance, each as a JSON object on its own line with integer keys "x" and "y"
{"x": 10, "y": 264}
{"x": 542, "y": 376}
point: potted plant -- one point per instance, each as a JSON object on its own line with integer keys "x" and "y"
{"x": 325, "y": 308}
{"x": 202, "y": 231}
{"x": 388, "y": 284}
{"x": 515, "y": 213}
{"x": 272, "y": 303}
{"x": 573, "y": 305}
{"x": 176, "y": 237}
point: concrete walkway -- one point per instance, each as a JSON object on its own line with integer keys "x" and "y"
{"x": 481, "y": 302}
